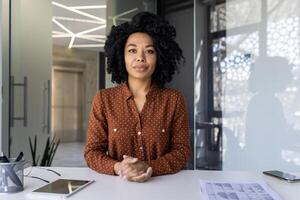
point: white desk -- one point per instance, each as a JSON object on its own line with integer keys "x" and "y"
{"x": 181, "y": 186}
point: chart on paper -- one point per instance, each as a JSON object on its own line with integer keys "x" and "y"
{"x": 221, "y": 190}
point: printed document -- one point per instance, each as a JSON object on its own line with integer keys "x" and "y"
{"x": 221, "y": 190}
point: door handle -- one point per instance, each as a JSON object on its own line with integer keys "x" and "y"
{"x": 46, "y": 106}
{"x": 12, "y": 110}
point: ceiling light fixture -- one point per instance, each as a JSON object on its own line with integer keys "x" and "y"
{"x": 78, "y": 11}
{"x": 96, "y": 36}
{"x": 62, "y": 26}
{"x": 78, "y": 36}
{"x": 118, "y": 17}
{"x": 58, "y": 20}
{"x": 87, "y": 45}
{"x": 78, "y": 20}
{"x": 71, "y": 42}
{"x": 91, "y": 39}
{"x": 88, "y": 7}
{"x": 91, "y": 30}
{"x": 57, "y": 34}
{"x": 62, "y": 36}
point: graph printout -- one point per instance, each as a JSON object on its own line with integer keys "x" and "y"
{"x": 226, "y": 190}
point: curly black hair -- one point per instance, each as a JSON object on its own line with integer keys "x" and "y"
{"x": 169, "y": 54}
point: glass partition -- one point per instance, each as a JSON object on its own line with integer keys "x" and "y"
{"x": 249, "y": 84}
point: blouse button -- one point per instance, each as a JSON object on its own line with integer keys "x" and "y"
{"x": 141, "y": 148}
{"x": 163, "y": 130}
{"x": 139, "y": 133}
{"x": 115, "y": 130}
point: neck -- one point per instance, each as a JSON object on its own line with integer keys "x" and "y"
{"x": 138, "y": 87}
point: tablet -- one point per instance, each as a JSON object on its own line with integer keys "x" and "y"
{"x": 61, "y": 188}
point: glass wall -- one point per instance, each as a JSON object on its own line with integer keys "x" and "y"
{"x": 26, "y": 67}
{"x": 252, "y": 75}
{"x": 262, "y": 85}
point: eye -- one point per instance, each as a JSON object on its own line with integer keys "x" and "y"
{"x": 150, "y": 51}
{"x": 132, "y": 50}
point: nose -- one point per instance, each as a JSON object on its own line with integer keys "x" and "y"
{"x": 140, "y": 57}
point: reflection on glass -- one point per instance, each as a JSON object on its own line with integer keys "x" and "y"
{"x": 263, "y": 125}
{"x": 242, "y": 12}
{"x": 266, "y": 125}
{"x": 234, "y": 14}
{"x": 218, "y": 18}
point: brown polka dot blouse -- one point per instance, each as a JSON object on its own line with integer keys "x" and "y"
{"x": 158, "y": 135}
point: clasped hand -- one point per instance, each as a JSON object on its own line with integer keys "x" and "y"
{"x": 133, "y": 169}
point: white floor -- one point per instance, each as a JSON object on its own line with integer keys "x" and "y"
{"x": 69, "y": 155}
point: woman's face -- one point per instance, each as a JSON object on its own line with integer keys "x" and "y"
{"x": 140, "y": 56}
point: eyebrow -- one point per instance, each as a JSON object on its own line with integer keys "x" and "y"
{"x": 134, "y": 45}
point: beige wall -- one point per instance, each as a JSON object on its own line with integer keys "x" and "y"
{"x": 74, "y": 58}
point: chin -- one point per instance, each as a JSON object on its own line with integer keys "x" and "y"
{"x": 141, "y": 77}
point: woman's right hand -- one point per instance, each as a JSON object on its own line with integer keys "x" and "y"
{"x": 132, "y": 169}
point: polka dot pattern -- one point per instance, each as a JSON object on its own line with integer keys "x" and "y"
{"x": 157, "y": 135}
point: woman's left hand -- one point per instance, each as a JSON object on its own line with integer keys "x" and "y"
{"x": 135, "y": 170}
{"x": 143, "y": 177}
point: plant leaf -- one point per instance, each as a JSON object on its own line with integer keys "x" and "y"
{"x": 54, "y": 151}
{"x": 45, "y": 156}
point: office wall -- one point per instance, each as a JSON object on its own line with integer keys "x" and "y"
{"x": 184, "y": 81}
{"x": 31, "y": 57}
{"x": 4, "y": 76}
{"x": 70, "y": 58}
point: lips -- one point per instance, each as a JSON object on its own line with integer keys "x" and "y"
{"x": 140, "y": 68}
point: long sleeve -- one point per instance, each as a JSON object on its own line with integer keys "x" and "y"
{"x": 96, "y": 148}
{"x": 180, "y": 150}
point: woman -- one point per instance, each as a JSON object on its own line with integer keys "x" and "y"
{"x": 139, "y": 129}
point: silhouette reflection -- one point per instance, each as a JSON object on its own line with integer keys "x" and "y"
{"x": 266, "y": 126}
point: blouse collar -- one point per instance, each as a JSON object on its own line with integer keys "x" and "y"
{"x": 153, "y": 92}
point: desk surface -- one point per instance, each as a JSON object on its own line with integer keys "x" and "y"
{"x": 181, "y": 186}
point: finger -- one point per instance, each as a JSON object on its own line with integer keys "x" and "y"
{"x": 132, "y": 174}
{"x": 124, "y": 166}
{"x": 143, "y": 177}
{"x": 149, "y": 172}
{"x": 130, "y": 168}
{"x": 139, "y": 178}
{"x": 127, "y": 170}
{"x": 129, "y": 159}
{"x": 135, "y": 173}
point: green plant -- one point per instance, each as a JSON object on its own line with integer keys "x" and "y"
{"x": 49, "y": 151}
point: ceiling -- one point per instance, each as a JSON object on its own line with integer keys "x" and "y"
{"x": 79, "y": 23}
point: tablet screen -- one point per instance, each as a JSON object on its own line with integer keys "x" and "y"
{"x": 63, "y": 186}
